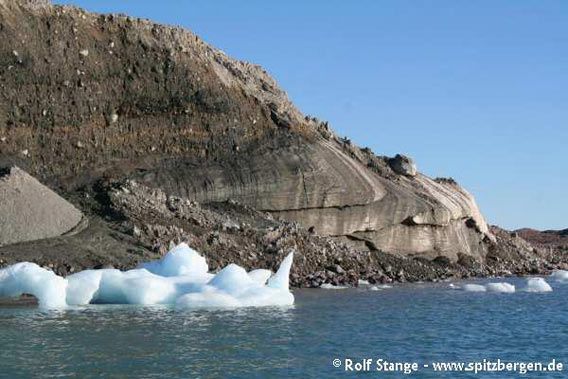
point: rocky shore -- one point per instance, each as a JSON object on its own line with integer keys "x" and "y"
{"x": 132, "y": 223}
{"x": 130, "y": 136}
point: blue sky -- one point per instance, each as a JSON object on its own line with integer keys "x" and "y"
{"x": 475, "y": 90}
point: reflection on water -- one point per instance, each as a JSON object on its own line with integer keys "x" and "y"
{"x": 421, "y": 322}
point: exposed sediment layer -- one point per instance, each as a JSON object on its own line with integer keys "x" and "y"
{"x": 91, "y": 99}
{"x": 31, "y": 211}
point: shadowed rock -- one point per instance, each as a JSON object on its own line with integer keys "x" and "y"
{"x": 403, "y": 165}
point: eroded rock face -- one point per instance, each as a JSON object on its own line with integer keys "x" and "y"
{"x": 89, "y": 96}
{"x": 321, "y": 185}
{"x": 30, "y": 211}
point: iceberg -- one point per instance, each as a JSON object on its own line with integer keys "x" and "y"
{"x": 29, "y": 278}
{"x": 180, "y": 261}
{"x": 260, "y": 276}
{"x": 500, "y": 287}
{"x": 560, "y": 276}
{"x": 474, "y": 288}
{"x": 537, "y": 285}
{"x": 533, "y": 285}
{"x": 181, "y": 278}
{"x": 379, "y": 287}
{"x": 329, "y": 286}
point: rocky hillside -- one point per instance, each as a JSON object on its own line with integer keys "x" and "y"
{"x": 552, "y": 239}
{"x": 90, "y": 100}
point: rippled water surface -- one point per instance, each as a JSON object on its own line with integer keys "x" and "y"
{"x": 421, "y": 323}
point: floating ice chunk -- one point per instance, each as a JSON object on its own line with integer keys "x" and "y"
{"x": 113, "y": 285}
{"x": 180, "y": 278}
{"x": 265, "y": 296}
{"x": 82, "y": 286}
{"x": 254, "y": 296}
{"x": 260, "y": 276}
{"x": 29, "y": 278}
{"x": 500, "y": 287}
{"x": 281, "y": 280}
{"x": 490, "y": 287}
{"x": 560, "y": 276}
{"x": 383, "y": 286}
{"x": 379, "y": 287}
{"x": 149, "y": 289}
{"x": 537, "y": 285}
{"x": 233, "y": 287}
{"x": 209, "y": 298}
{"x": 181, "y": 260}
{"x": 329, "y": 286}
{"x": 474, "y": 288}
{"x": 232, "y": 279}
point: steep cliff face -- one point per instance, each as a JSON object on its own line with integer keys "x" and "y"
{"x": 88, "y": 96}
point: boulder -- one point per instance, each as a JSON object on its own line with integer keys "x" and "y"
{"x": 403, "y": 165}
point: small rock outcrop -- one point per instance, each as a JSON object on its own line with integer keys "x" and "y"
{"x": 31, "y": 211}
{"x": 403, "y": 165}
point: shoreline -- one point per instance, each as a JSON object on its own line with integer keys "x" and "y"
{"x": 18, "y": 302}
{"x": 29, "y": 301}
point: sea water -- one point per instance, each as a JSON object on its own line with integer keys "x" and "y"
{"x": 420, "y": 323}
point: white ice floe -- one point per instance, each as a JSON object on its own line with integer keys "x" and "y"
{"x": 560, "y": 276}
{"x": 260, "y": 276}
{"x": 474, "y": 288}
{"x": 329, "y": 286}
{"x": 181, "y": 260}
{"x": 533, "y": 285}
{"x": 364, "y": 284}
{"x": 537, "y": 285}
{"x": 489, "y": 287}
{"x": 82, "y": 286}
{"x": 180, "y": 278}
{"x": 379, "y": 287}
{"x": 29, "y": 278}
{"x": 500, "y": 287}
